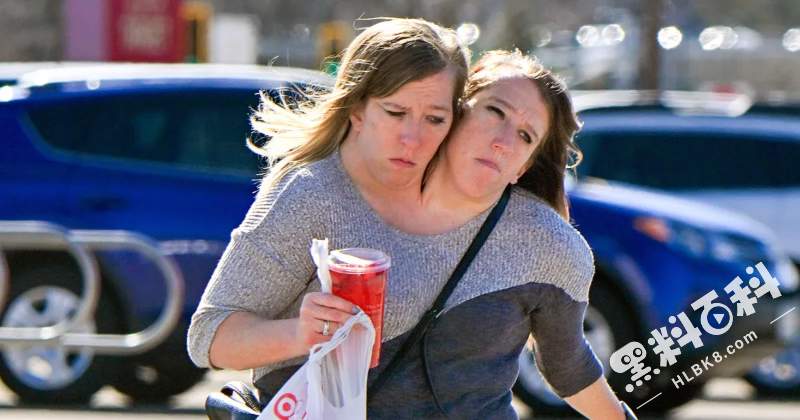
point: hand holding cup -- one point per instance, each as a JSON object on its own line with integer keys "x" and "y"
{"x": 318, "y": 309}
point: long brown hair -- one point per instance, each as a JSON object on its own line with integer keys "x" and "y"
{"x": 380, "y": 60}
{"x": 557, "y": 151}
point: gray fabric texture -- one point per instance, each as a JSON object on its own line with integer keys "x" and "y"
{"x": 532, "y": 275}
{"x": 472, "y": 362}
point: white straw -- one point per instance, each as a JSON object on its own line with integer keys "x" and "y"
{"x": 319, "y": 253}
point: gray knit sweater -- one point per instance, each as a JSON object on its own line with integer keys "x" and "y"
{"x": 531, "y": 276}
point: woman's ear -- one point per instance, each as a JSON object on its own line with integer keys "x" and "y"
{"x": 357, "y": 117}
{"x": 527, "y": 166}
{"x": 522, "y": 172}
{"x": 519, "y": 174}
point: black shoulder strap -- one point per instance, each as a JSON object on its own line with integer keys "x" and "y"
{"x": 422, "y": 327}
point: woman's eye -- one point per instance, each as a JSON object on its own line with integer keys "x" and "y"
{"x": 497, "y": 111}
{"x": 396, "y": 114}
{"x": 436, "y": 120}
{"x": 525, "y": 136}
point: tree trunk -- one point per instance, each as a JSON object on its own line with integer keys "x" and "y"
{"x": 650, "y": 55}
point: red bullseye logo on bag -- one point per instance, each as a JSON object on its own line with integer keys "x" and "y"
{"x": 359, "y": 275}
{"x": 288, "y": 408}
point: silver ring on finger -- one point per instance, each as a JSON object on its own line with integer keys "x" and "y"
{"x": 326, "y": 328}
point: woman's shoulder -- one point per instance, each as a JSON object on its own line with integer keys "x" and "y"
{"x": 317, "y": 183}
{"x": 314, "y": 177}
{"x": 300, "y": 193}
{"x": 545, "y": 233}
{"x": 527, "y": 209}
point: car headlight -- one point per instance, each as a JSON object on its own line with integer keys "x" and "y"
{"x": 700, "y": 243}
{"x": 786, "y": 273}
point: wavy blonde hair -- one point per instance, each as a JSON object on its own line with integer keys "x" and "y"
{"x": 380, "y": 60}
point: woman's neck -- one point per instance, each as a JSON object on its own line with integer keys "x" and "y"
{"x": 393, "y": 205}
{"x": 446, "y": 205}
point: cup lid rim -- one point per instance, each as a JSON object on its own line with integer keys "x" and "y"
{"x": 369, "y": 260}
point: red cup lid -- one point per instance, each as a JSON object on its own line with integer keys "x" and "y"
{"x": 358, "y": 260}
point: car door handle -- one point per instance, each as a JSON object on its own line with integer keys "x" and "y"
{"x": 101, "y": 203}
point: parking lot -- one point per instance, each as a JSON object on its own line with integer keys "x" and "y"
{"x": 125, "y": 170}
{"x": 723, "y": 399}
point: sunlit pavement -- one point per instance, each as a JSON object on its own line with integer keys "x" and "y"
{"x": 723, "y": 399}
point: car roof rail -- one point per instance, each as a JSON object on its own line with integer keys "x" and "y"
{"x": 681, "y": 102}
{"x": 139, "y": 71}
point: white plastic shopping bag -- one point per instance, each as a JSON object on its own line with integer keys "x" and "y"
{"x": 332, "y": 384}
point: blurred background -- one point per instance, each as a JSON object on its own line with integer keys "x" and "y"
{"x": 690, "y": 176}
{"x": 672, "y": 44}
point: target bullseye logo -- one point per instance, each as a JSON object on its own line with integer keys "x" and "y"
{"x": 285, "y": 406}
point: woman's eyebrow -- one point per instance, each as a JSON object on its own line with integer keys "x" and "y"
{"x": 438, "y": 107}
{"x": 394, "y": 105}
{"x": 513, "y": 109}
{"x": 444, "y": 108}
{"x": 504, "y": 103}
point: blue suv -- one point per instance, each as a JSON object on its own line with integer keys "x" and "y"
{"x": 655, "y": 255}
{"x": 722, "y": 149}
{"x": 159, "y": 150}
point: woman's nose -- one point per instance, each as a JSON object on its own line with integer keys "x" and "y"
{"x": 410, "y": 134}
{"x": 501, "y": 142}
{"x": 498, "y": 145}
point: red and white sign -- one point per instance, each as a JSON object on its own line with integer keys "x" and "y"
{"x": 145, "y": 30}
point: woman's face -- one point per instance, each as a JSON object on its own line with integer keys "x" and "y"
{"x": 492, "y": 145}
{"x": 397, "y": 135}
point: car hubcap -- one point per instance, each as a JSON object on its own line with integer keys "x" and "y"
{"x": 46, "y": 367}
{"x": 598, "y": 334}
{"x": 780, "y": 371}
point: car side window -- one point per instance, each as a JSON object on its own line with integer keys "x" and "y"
{"x": 689, "y": 161}
{"x": 203, "y": 131}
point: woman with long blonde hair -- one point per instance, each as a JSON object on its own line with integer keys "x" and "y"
{"x": 363, "y": 146}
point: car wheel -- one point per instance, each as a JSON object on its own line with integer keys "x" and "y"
{"x": 779, "y": 375}
{"x": 607, "y": 326}
{"x": 160, "y": 373}
{"x": 42, "y": 296}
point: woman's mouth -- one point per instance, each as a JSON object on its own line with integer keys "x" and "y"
{"x": 403, "y": 163}
{"x": 488, "y": 164}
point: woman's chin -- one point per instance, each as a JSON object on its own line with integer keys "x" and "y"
{"x": 480, "y": 189}
{"x": 400, "y": 180}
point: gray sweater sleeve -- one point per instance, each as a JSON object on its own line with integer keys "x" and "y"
{"x": 266, "y": 265}
{"x": 562, "y": 352}
{"x": 563, "y": 355}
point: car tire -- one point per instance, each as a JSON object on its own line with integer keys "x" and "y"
{"x": 43, "y": 375}
{"x": 160, "y": 373}
{"x": 608, "y": 325}
{"x": 777, "y": 376}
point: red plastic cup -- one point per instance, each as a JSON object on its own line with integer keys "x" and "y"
{"x": 359, "y": 275}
